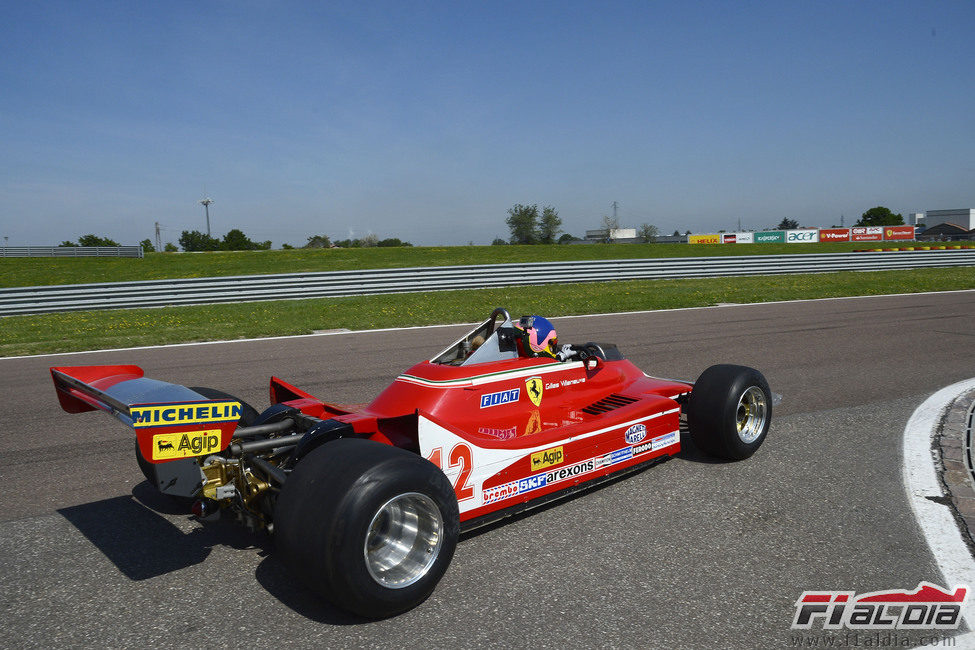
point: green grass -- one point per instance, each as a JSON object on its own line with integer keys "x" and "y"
{"x": 21, "y": 335}
{"x": 36, "y": 271}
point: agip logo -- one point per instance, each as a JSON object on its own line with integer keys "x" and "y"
{"x": 547, "y": 458}
{"x": 167, "y": 446}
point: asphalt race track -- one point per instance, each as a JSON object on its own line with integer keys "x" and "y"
{"x": 689, "y": 553}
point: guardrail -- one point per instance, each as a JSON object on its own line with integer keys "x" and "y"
{"x": 197, "y": 291}
{"x": 71, "y": 251}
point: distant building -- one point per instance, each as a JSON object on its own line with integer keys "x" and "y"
{"x": 620, "y": 235}
{"x": 947, "y": 232}
{"x": 962, "y": 218}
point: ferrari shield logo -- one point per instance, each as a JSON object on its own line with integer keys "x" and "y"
{"x": 535, "y": 388}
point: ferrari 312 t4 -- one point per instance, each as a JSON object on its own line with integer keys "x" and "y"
{"x": 366, "y": 505}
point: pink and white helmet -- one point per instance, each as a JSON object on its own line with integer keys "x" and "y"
{"x": 537, "y": 336}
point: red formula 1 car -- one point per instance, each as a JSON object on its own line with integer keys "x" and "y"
{"x": 366, "y": 505}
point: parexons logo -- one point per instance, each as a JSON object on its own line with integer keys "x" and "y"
{"x": 167, "y": 415}
{"x": 514, "y": 488}
{"x": 635, "y": 434}
{"x": 929, "y": 607}
{"x": 501, "y": 397}
{"x": 167, "y": 446}
{"x": 535, "y": 388}
{"x": 547, "y": 458}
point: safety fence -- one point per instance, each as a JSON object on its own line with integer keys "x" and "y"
{"x": 71, "y": 251}
{"x": 198, "y": 291}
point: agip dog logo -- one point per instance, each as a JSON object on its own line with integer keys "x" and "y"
{"x": 535, "y": 387}
{"x": 547, "y": 458}
{"x": 168, "y": 446}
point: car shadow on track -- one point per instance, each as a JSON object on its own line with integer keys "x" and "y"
{"x": 133, "y": 534}
{"x": 278, "y": 582}
{"x": 137, "y": 535}
{"x": 690, "y": 452}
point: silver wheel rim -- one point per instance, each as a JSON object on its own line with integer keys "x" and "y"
{"x": 403, "y": 540}
{"x": 751, "y": 414}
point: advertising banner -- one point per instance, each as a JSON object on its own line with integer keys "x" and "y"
{"x": 704, "y": 239}
{"x": 744, "y": 237}
{"x": 898, "y": 232}
{"x": 801, "y": 236}
{"x": 869, "y": 233}
{"x": 834, "y": 234}
{"x": 770, "y": 237}
{"x": 729, "y": 238}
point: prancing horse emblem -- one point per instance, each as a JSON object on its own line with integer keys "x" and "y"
{"x": 535, "y": 388}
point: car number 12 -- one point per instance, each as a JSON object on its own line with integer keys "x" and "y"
{"x": 460, "y": 456}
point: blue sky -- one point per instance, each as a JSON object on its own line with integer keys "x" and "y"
{"x": 427, "y": 121}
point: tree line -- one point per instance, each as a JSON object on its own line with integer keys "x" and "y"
{"x": 370, "y": 240}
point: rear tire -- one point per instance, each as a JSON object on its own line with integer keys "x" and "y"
{"x": 247, "y": 415}
{"x": 369, "y": 527}
{"x": 729, "y": 411}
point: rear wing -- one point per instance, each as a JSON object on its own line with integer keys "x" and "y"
{"x": 170, "y": 421}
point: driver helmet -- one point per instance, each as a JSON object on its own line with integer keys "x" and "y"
{"x": 536, "y": 337}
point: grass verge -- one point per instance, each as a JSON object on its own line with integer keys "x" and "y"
{"x": 92, "y": 330}
{"x": 38, "y": 271}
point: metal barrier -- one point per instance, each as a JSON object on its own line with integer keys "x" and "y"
{"x": 198, "y": 291}
{"x": 71, "y": 251}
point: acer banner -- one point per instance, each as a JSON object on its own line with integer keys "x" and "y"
{"x": 801, "y": 236}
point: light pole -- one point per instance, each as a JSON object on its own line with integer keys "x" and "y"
{"x": 206, "y": 206}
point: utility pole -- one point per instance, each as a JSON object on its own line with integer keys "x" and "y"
{"x": 206, "y": 206}
{"x": 158, "y": 239}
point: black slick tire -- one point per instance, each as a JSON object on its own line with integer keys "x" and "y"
{"x": 729, "y": 411}
{"x": 340, "y": 503}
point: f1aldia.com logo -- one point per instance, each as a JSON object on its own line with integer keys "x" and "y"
{"x": 929, "y": 607}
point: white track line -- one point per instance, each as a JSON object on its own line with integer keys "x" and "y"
{"x": 935, "y": 520}
{"x": 417, "y": 327}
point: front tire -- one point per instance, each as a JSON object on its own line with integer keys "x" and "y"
{"x": 369, "y": 527}
{"x": 729, "y": 411}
